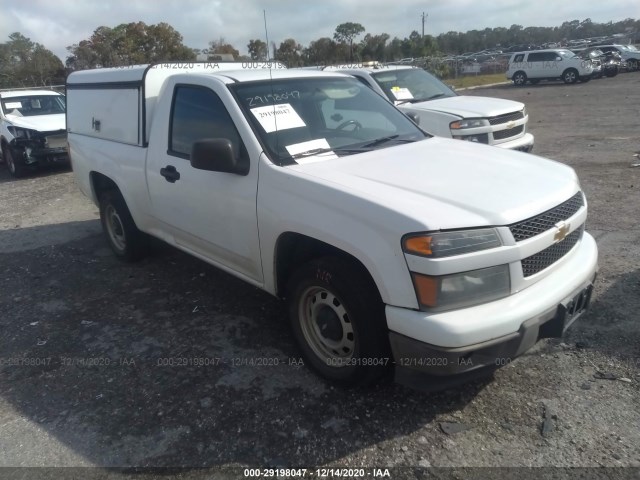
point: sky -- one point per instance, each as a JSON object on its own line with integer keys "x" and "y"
{"x": 60, "y": 23}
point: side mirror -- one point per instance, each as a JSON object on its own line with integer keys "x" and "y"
{"x": 216, "y": 155}
{"x": 413, "y": 117}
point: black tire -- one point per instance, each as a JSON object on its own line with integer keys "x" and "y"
{"x": 338, "y": 320}
{"x": 127, "y": 242}
{"x": 534, "y": 81}
{"x": 612, "y": 72}
{"x": 570, "y": 75}
{"x": 16, "y": 168}
{"x": 519, "y": 79}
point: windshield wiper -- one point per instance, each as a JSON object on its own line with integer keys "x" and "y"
{"x": 416, "y": 100}
{"x": 390, "y": 138}
{"x": 318, "y": 151}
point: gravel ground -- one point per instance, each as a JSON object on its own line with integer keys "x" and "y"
{"x": 92, "y": 350}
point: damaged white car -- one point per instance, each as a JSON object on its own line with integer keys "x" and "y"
{"x": 32, "y": 129}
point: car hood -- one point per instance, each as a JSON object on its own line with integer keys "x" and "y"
{"x": 466, "y": 106}
{"x": 40, "y": 123}
{"x": 442, "y": 184}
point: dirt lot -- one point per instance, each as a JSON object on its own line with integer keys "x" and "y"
{"x": 92, "y": 350}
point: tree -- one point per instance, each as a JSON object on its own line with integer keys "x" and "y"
{"x": 24, "y": 63}
{"x": 129, "y": 44}
{"x": 321, "y": 52}
{"x": 346, "y": 33}
{"x": 372, "y": 47}
{"x": 221, "y": 47}
{"x": 289, "y": 52}
{"x": 257, "y": 50}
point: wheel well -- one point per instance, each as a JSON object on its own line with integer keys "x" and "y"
{"x": 294, "y": 249}
{"x": 101, "y": 183}
{"x": 569, "y": 69}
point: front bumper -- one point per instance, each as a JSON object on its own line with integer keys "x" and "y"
{"x": 490, "y": 335}
{"x": 522, "y": 144}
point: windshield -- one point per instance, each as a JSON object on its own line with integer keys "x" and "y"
{"x": 411, "y": 85}
{"x": 33, "y": 105}
{"x": 306, "y": 119}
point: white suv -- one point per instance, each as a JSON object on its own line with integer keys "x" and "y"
{"x": 32, "y": 129}
{"x": 552, "y": 64}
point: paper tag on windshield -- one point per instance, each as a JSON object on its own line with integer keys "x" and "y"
{"x": 311, "y": 145}
{"x": 278, "y": 117}
{"x": 10, "y": 105}
{"x": 401, "y": 93}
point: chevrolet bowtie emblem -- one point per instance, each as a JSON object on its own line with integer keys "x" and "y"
{"x": 510, "y": 125}
{"x": 563, "y": 231}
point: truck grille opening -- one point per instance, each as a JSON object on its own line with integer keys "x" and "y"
{"x": 507, "y": 117}
{"x": 509, "y": 132}
{"x": 550, "y": 255}
{"x": 541, "y": 223}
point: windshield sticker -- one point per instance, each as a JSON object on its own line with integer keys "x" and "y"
{"x": 401, "y": 93}
{"x": 311, "y": 145}
{"x": 9, "y": 105}
{"x": 278, "y": 117}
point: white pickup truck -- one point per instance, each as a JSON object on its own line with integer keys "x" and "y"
{"x": 391, "y": 247}
{"x": 442, "y": 112}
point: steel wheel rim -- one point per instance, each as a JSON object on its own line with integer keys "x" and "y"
{"x": 115, "y": 228}
{"x": 519, "y": 79}
{"x": 321, "y": 313}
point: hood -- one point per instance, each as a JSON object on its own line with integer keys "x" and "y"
{"x": 440, "y": 183}
{"x": 466, "y": 106}
{"x": 40, "y": 123}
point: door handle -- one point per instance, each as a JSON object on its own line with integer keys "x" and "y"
{"x": 170, "y": 173}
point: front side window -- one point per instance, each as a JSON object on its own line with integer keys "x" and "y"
{"x": 34, "y": 105}
{"x": 199, "y": 114}
{"x": 296, "y": 118}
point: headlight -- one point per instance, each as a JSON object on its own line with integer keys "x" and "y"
{"x": 469, "y": 123}
{"x": 462, "y": 289}
{"x": 446, "y": 244}
{"x": 19, "y": 132}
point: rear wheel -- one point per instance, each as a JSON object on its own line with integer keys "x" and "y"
{"x": 519, "y": 79}
{"x": 338, "y": 320}
{"x": 570, "y": 76}
{"x": 126, "y": 241}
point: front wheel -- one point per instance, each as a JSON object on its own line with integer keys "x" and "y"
{"x": 338, "y": 320}
{"x": 15, "y": 167}
{"x": 126, "y": 241}
{"x": 570, "y": 76}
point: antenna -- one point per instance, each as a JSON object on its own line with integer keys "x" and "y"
{"x": 275, "y": 117}
{"x": 266, "y": 33}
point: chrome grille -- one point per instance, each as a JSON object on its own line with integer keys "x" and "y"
{"x": 550, "y": 255}
{"x": 509, "y": 132}
{"x": 500, "y": 119}
{"x": 541, "y": 223}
